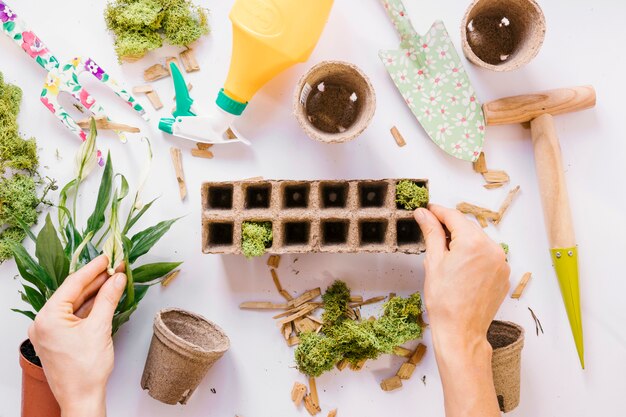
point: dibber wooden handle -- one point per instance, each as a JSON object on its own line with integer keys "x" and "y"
{"x": 549, "y": 167}
{"x": 524, "y": 108}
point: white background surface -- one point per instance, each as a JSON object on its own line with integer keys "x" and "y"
{"x": 583, "y": 45}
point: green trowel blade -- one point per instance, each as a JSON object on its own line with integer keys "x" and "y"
{"x": 430, "y": 76}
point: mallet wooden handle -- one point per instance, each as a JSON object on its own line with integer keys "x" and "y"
{"x": 524, "y": 108}
{"x": 549, "y": 167}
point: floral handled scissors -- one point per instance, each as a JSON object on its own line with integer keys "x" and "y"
{"x": 63, "y": 77}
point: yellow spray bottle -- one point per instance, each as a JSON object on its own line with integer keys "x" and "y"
{"x": 268, "y": 37}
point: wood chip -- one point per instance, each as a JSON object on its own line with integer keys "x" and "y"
{"x": 496, "y": 176}
{"x": 406, "y": 370}
{"x": 398, "y": 136}
{"x": 189, "y": 61}
{"x": 357, "y": 366}
{"x": 293, "y": 340}
{"x": 273, "y": 261}
{"x": 480, "y": 165}
{"x": 482, "y": 214}
{"x": 313, "y": 389}
{"x": 169, "y": 60}
{"x": 310, "y": 405}
{"x": 177, "y": 160}
{"x": 332, "y": 413}
{"x": 286, "y": 295}
{"x": 230, "y": 134}
{"x": 517, "y": 293}
{"x": 199, "y": 153}
{"x": 342, "y": 364}
{"x": 305, "y": 297}
{"x": 286, "y": 330}
{"x": 401, "y": 351}
{"x": 418, "y": 354}
{"x": 372, "y": 300}
{"x": 315, "y": 319}
{"x": 262, "y": 305}
{"x": 253, "y": 179}
{"x": 303, "y": 312}
{"x": 204, "y": 146}
{"x": 493, "y": 185}
{"x": 506, "y": 204}
{"x": 305, "y": 325}
{"x": 297, "y": 393}
{"x": 155, "y": 72}
{"x": 170, "y": 277}
{"x": 143, "y": 89}
{"x": 102, "y": 123}
{"x": 356, "y": 298}
{"x": 155, "y": 100}
{"x": 391, "y": 384}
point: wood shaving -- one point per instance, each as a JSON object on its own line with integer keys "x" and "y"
{"x": 391, "y": 383}
{"x": 480, "y": 165}
{"x": 517, "y": 293}
{"x": 398, "y": 137}
{"x": 177, "y": 160}
{"x": 170, "y": 277}
{"x": 155, "y": 72}
{"x": 202, "y": 153}
{"x": 298, "y": 392}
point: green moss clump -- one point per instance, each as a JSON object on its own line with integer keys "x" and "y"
{"x": 255, "y": 238}
{"x": 18, "y": 176}
{"x": 354, "y": 341}
{"x": 411, "y": 196}
{"x": 141, "y": 26}
{"x": 505, "y": 248}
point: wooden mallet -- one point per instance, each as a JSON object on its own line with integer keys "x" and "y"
{"x": 539, "y": 109}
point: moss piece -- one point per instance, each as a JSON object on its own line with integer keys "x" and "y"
{"x": 357, "y": 340}
{"x": 505, "y": 248}
{"x": 255, "y": 238}
{"x": 18, "y": 164}
{"x": 139, "y": 26}
{"x": 411, "y": 196}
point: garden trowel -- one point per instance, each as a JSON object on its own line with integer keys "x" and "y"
{"x": 428, "y": 73}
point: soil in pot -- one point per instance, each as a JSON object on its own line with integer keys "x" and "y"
{"x": 37, "y": 398}
{"x": 332, "y": 108}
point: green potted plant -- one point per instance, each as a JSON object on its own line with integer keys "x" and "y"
{"x": 63, "y": 249}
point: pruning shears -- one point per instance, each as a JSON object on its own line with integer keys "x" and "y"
{"x": 185, "y": 123}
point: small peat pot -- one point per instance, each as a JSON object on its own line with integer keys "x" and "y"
{"x": 502, "y": 35}
{"x": 37, "y": 398}
{"x": 184, "y": 347}
{"x": 334, "y": 102}
{"x": 507, "y": 341}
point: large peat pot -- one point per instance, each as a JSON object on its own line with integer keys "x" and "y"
{"x": 184, "y": 347}
{"x": 37, "y": 398}
{"x": 507, "y": 341}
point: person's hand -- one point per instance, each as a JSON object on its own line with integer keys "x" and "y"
{"x": 72, "y": 337}
{"x": 466, "y": 282}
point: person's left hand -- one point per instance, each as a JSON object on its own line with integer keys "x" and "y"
{"x": 72, "y": 337}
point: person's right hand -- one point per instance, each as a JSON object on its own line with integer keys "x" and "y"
{"x": 466, "y": 281}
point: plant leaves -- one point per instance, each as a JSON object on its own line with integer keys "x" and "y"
{"x": 25, "y": 227}
{"x": 73, "y": 239}
{"x": 30, "y": 270}
{"x": 97, "y": 218}
{"x": 63, "y": 211}
{"x": 140, "y": 292}
{"x": 150, "y": 272}
{"x": 49, "y": 251}
{"x": 146, "y": 239}
{"x": 78, "y": 251}
{"x": 130, "y": 287}
{"x": 122, "y": 317}
{"x": 33, "y": 297}
{"x": 28, "y": 314}
{"x": 130, "y": 223}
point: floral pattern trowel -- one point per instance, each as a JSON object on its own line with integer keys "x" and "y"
{"x": 63, "y": 77}
{"x": 430, "y": 76}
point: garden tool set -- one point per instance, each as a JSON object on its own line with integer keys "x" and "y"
{"x": 63, "y": 77}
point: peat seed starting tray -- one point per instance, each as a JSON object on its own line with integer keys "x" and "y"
{"x": 311, "y": 216}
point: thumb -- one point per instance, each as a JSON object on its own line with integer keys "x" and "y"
{"x": 433, "y": 232}
{"x": 107, "y": 299}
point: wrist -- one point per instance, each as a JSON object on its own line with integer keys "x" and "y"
{"x": 460, "y": 348}
{"x": 93, "y": 406}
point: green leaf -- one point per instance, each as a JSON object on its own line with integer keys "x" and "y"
{"x": 140, "y": 292}
{"x": 130, "y": 287}
{"x": 97, "y": 218}
{"x": 150, "y": 272}
{"x": 122, "y": 317}
{"x": 30, "y": 270}
{"x": 49, "y": 251}
{"x": 28, "y": 314}
{"x": 146, "y": 239}
{"x": 136, "y": 218}
{"x": 34, "y": 297}
{"x": 18, "y": 36}
{"x": 25, "y": 227}
{"x": 67, "y": 67}
{"x": 123, "y": 187}
{"x": 73, "y": 239}
{"x": 9, "y": 26}
{"x": 89, "y": 254}
{"x": 63, "y": 211}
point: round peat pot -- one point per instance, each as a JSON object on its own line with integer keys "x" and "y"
{"x": 334, "y": 102}
{"x": 37, "y": 398}
{"x": 184, "y": 347}
{"x": 502, "y": 35}
{"x": 507, "y": 341}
